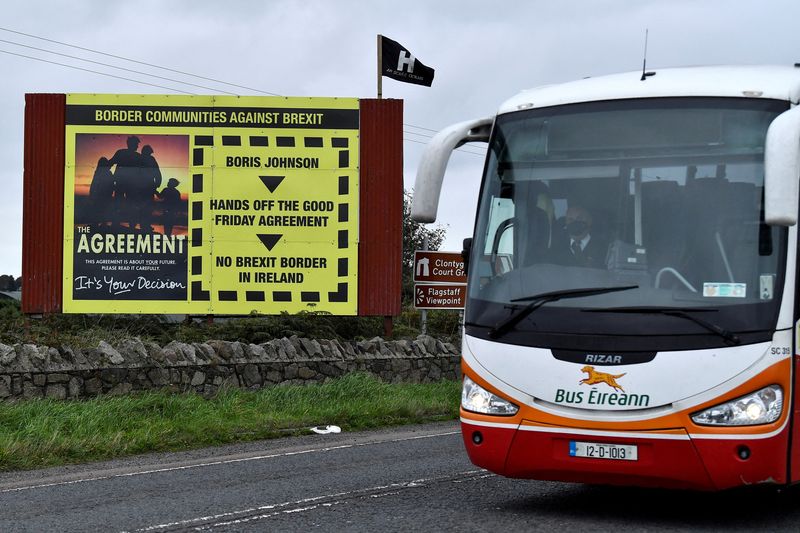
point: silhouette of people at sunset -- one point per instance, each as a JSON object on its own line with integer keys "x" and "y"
{"x": 128, "y": 164}
{"x": 171, "y": 198}
{"x": 101, "y": 193}
{"x": 124, "y": 189}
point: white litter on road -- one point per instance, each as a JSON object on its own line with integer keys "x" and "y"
{"x": 324, "y": 430}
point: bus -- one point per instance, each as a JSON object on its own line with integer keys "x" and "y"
{"x": 631, "y": 314}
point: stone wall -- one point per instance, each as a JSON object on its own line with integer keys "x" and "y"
{"x": 30, "y": 371}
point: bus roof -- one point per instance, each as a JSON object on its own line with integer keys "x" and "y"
{"x": 772, "y": 82}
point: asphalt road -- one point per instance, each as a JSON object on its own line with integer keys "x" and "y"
{"x": 413, "y": 478}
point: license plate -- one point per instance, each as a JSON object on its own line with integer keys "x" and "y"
{"x": 598, "y": 450}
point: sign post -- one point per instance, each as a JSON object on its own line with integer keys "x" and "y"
{"x": 423, "y": 314}
{"x": 440, "y": 280}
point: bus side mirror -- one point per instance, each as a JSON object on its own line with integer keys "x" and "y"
{"x": 465, "y": 251}
{"x": 782, "y": 169}
{"x": 430, "y": 173}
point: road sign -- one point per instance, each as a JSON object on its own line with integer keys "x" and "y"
{"x": 439, "y": 267}
{"x": 439, "y": 296}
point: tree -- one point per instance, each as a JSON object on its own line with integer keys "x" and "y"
{"x": 7, "y": 283}
{"x": 414, "y": 234}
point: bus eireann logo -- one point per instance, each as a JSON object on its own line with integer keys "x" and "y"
{"x": 594, "y": 377}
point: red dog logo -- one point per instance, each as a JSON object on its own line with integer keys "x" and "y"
{"x": 596, "y": 377}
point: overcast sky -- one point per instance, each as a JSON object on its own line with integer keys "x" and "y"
{"x": 483, "y": 53}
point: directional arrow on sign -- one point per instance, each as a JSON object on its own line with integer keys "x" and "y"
{"x": 270, "y": 240}
{"x": 272, "y": 182}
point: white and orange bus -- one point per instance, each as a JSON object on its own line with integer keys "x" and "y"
{"x": 632, "y": 315}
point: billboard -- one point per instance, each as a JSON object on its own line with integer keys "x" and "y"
{"x": 210, "y": 204}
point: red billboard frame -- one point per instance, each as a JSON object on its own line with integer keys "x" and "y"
{"x": 380, "y": 216}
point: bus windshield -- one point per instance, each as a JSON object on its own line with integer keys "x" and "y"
{"x": 662, "y": 197}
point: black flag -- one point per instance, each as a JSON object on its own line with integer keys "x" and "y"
{"x": 399, "y": 64}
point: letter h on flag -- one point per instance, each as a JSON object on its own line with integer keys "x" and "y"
{"x": 399, "y": 64}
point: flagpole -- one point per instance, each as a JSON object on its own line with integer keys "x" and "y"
{"x": 380, "y": 66}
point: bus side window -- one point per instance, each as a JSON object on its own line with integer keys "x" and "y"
{"x": 499, "y": 241}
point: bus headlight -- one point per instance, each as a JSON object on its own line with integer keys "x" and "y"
{"x": 479, "y": 400}
{"x": 760, "y": 407}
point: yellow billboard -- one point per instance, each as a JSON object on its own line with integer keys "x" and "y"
{"x": 211, "y": 204}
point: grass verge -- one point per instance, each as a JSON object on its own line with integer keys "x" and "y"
{"x": 38, "y": 433}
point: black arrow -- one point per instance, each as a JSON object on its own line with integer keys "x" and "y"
{"x": 272, "y": 182}
{"x": 270, "y": 240}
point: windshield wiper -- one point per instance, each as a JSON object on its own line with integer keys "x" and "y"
{"x": 680, "y": 313}
{"x": 538, "y": 300}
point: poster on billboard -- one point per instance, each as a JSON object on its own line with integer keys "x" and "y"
{"x": 210, "y": 205}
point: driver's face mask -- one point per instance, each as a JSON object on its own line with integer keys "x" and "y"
{"x": 577, "y": 228}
